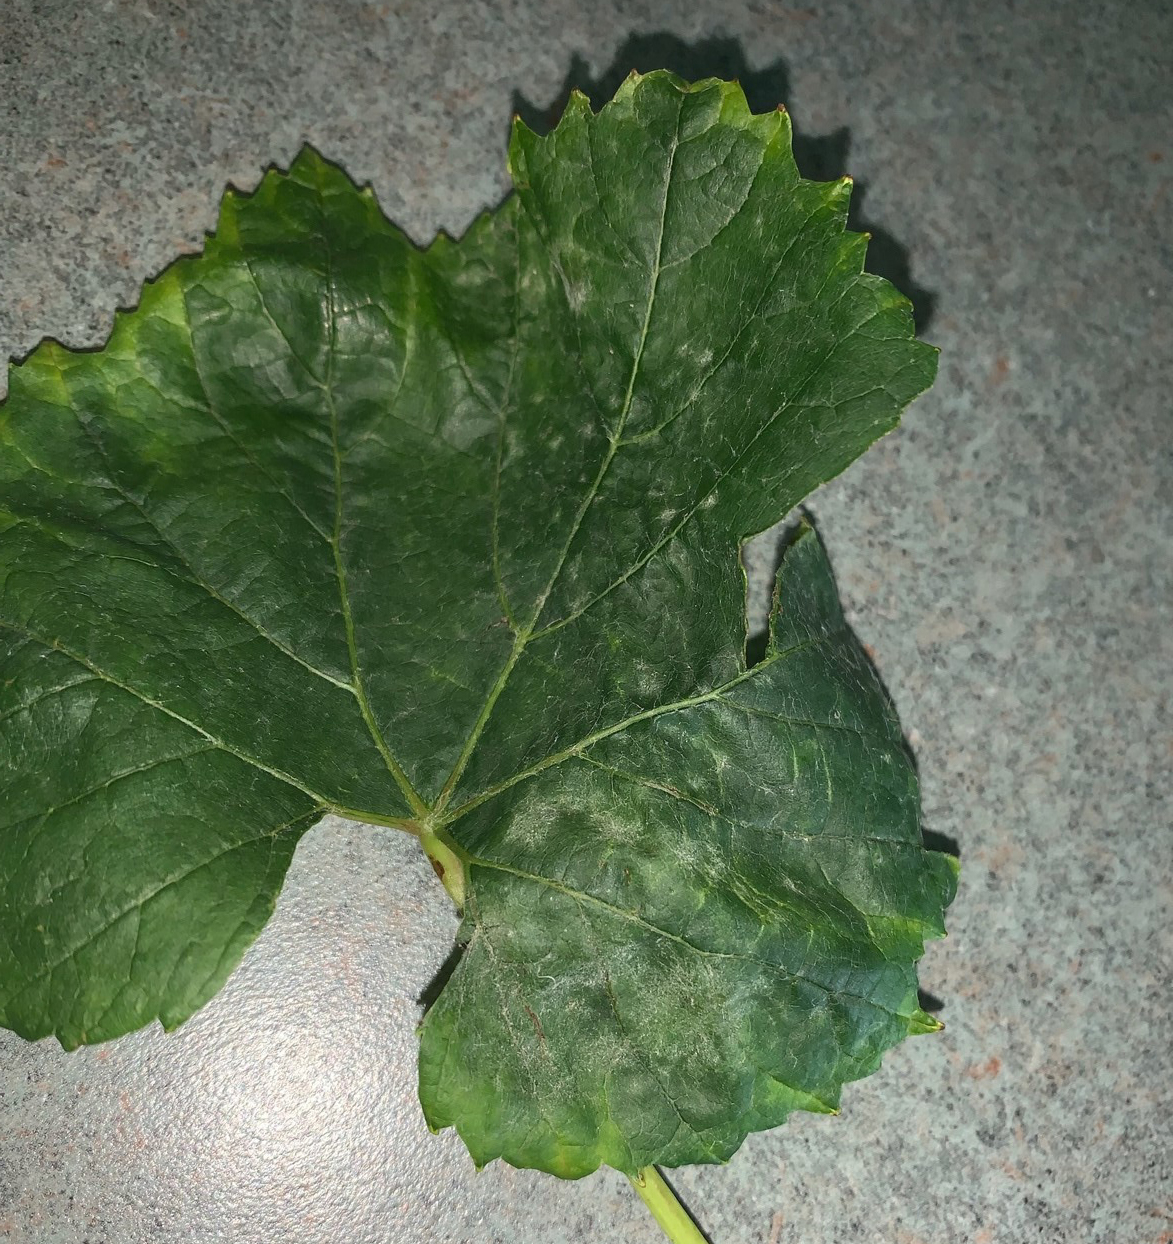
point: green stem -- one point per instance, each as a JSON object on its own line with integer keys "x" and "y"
{"x": 673, "y": 1218}
{"x": 448, "y": 865}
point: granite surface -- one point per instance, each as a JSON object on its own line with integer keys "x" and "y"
{"x": 1006, "y": 556}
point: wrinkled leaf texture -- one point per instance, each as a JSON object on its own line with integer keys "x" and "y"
{"x": 448, "y": 539}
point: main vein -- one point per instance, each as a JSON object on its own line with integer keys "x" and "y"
{"x": 416, "y": 804}
{"x": 522, "y": 637}
{"x": 412, "y": 796}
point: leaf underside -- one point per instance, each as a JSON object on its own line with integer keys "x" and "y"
{"x": 448, "y": 539}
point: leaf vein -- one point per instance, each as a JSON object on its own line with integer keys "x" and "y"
{"x": 589, "y": 740}
{"x": 47, "y": 694}
{"x": 98, "y": 672}
{"x": 708, "y": 809}
{"x": 690, "y": 513}
{"x": 226, "y": 428}
{"x": 191, "y": 579}
{"x": 635, "y": 918}
{"x": 393, "y": 766}
{"x": 121, "y": 775}
{"x": 522, "y": 638}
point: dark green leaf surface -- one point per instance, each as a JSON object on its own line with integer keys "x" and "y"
{"x": 448, "y": 539}
{"x": 686, "y": 928}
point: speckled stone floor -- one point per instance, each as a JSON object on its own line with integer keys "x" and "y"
{"x": 1006, "y": 555}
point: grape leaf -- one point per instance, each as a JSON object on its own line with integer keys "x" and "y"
{"x": 448, "y": 539}
{"x": 693, "y": 924}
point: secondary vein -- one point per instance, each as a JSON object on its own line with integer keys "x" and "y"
{"x": 193, "y": 578}
{"x": 575, "y": 749}
{"x": 581, "y": 896}
{"x": 98, "y": 672}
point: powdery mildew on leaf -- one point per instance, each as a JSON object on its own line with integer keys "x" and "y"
{"x": 448, "y": 539}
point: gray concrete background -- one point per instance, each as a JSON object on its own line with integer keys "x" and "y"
{"x": 1006, "y": 555}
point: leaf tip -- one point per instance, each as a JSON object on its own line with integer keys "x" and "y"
{"x": 920, "y": 1023}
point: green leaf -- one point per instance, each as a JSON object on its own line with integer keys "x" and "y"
{"x": 682, "y": 929}
{"x": 448, "y": 539}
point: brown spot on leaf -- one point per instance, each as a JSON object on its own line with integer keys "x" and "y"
{"x": 537, "y": 1023}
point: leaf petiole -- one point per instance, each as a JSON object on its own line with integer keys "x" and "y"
{"x": 448, "y": 865}
{"x": 673, "y": 1218}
